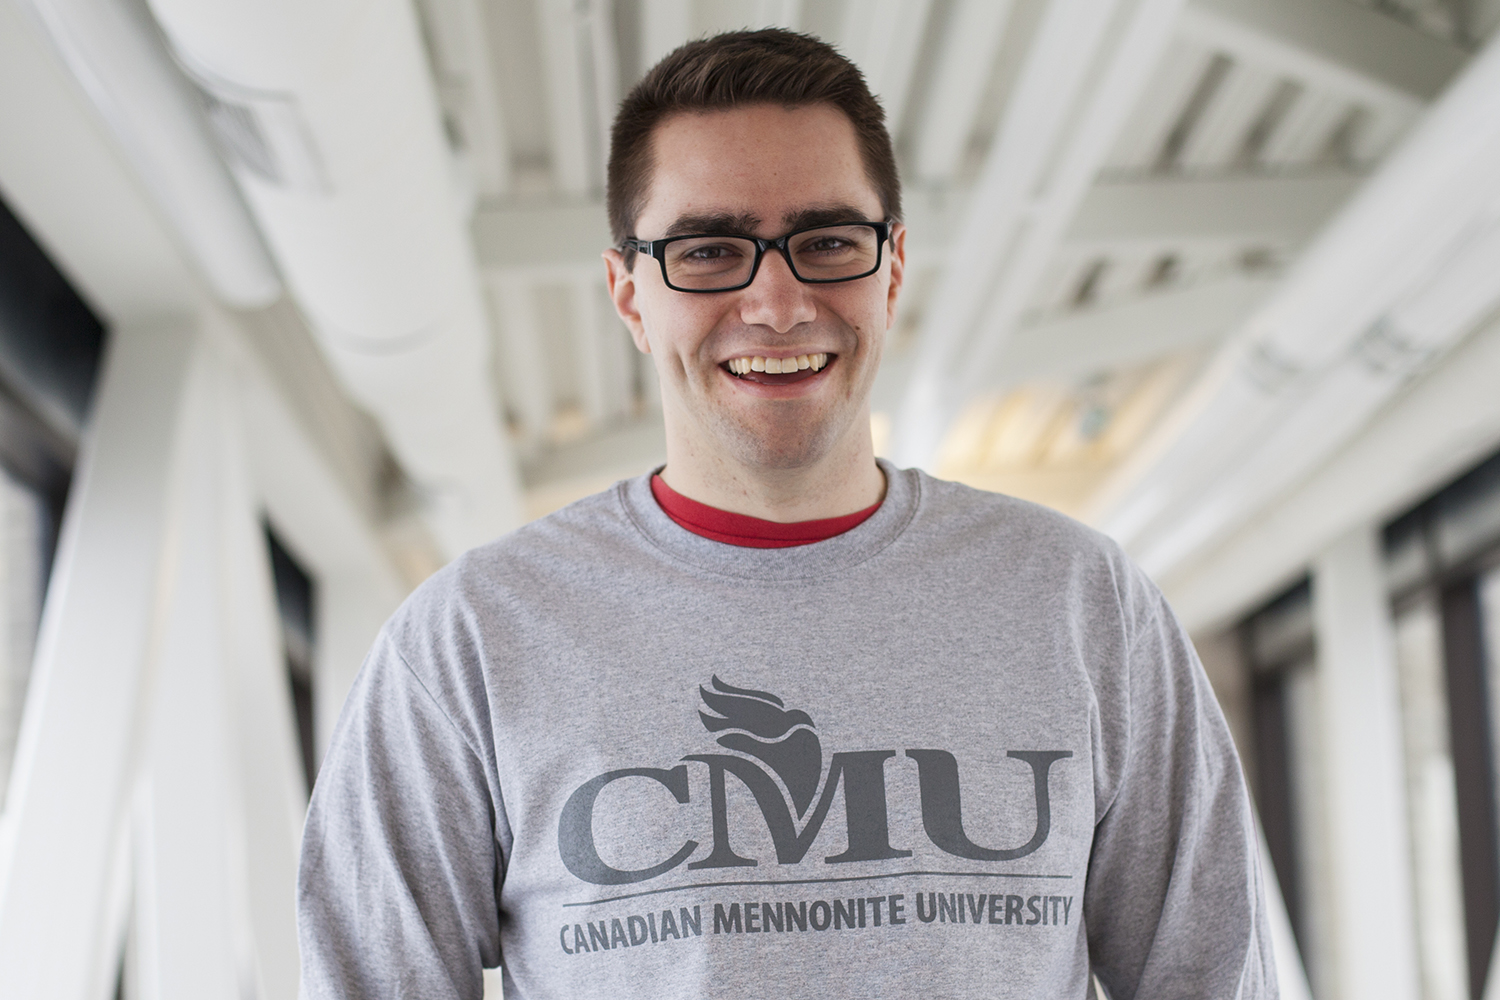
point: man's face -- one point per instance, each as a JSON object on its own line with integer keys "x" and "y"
{"x": 763, "y": 171}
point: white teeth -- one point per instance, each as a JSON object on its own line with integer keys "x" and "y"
{"x": 778, "y": 366}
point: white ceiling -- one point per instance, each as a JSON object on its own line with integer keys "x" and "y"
{"x": 1100, "y": 194}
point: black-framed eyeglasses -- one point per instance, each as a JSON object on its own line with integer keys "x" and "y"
{"x": 818, "y": 255}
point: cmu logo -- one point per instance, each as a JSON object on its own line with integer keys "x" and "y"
{"x": 771, "y": 743}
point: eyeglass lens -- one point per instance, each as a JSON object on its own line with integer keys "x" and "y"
{"x": 833, "y": 253}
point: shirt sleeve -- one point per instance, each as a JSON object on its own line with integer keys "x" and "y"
{"x": 1174, "y": 902}
{"x": 398, "y": 890}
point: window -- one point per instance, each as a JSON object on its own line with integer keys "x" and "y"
{"x": 1287, "y": 779}
{"x": 50, "y": 344}
{"x": 295, "y": 594}
{"x": 1441, "y": 564}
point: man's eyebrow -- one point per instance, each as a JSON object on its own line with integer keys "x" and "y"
{"x": 823, "y": 216}
{"x": 745, "y": 224}
{"x": 722, "y": 224}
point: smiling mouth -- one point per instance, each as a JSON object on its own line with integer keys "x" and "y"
{"x": 777, "y": 371}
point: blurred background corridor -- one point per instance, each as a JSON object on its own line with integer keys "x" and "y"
{"x": 299, "y": 299}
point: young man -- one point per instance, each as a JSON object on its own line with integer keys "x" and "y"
{"x": 780, "y": 720}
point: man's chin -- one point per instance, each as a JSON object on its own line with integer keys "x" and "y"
{"x": 782, "y": 449}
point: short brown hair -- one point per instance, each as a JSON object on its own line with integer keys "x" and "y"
{"x": 770, "y": 66}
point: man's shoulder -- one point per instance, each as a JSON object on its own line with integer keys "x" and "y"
{"x": 542, "y": 553}
{"x": 994, "y": 541}
{"x": 956, "y": 509}
{"x": 599, "y": 519}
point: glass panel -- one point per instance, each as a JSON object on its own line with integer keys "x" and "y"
{"x": 1468, "y": 513}
{"x": 1431, "y": 802}
{"x": 296, "y": 596}
{"x": 22, "y": 537}
{"x": 1489, "y": 611}
{"x": 1283, "y": 632}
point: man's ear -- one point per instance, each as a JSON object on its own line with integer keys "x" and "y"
{"x": 898, "y": 272}
{"x": 622, "y": 291}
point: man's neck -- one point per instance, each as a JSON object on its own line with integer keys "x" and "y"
{"x": 843, "y": 482}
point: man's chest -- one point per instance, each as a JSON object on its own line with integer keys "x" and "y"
{"x": 894, "y": 789}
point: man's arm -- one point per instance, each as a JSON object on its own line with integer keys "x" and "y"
{"x": 399, "y": 883}
{"x": 1174, "y": 902}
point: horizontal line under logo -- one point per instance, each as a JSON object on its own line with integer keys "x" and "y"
{"x": 808, "y": 881}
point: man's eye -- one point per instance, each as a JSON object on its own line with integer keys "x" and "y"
{"x": 710, "y": 253}
{"x": 827, "y": 244}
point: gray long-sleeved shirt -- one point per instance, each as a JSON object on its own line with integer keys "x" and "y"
{"x": 963, "y": 750}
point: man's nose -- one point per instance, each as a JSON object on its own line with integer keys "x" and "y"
{"x": 776, "y": 298}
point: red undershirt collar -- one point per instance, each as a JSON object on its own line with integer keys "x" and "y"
{"x": 750, "y": 532}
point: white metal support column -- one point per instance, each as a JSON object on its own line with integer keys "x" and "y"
{"x": 220, "y": 806}
{"x": 77, "y": 745}
{"x": 326, "y": 530}
{"x": 1374, "y": 951}
{"x": 185, "y": 877}
{"x": 263, "y": 737}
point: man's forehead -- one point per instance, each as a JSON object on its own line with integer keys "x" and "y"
{"x": 762, "y": 169}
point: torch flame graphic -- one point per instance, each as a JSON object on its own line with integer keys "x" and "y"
{"x": 763, "y": 728}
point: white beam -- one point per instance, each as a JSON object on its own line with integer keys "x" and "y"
{"x": 883, "y": 38}
{"x": 1055, "y": 134}
{"x": 1404, "y": 228}
{"x": 626, "y": 450}
{"x": 779, "y": 14}
{"x": 117, "y": 55}
{"x": 1441, "y": 426}
{"x": 1394, "y": 280}
{"x": 665, "y": 24}
{"x": 1345, "y": 47}
{"x": 366, "y": 232}
{"x": 1216, "y": 136}
{"x": 66, "y": 179}
{"x": 530, "y": 236}
{"x": 972, "y": 37}
{"x": 1302, "y": 136}
{"x": 328, "y": 530}
{"x": 605, "y": 372}
{"x": 457, "y": 30}
{"x": 1138, "y": 41}
{"x": 593, "y": 373}
{"x": 189, "y": 895}
{"x": 270, "y": 797}
{"x": 1278, "y": 210}
{"x": 569, "y": 116}
{"x": 1311, "y": 424}
{"x": 76, "y": 753}
{"x": 1139, "y": 145}
{"x": 222, "y": 800}
{"x": 525, "y": 362}
{"x": 1374, "y": 951}
{"x": 604, "y": 74}
{"x": 1094, "y": 340}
